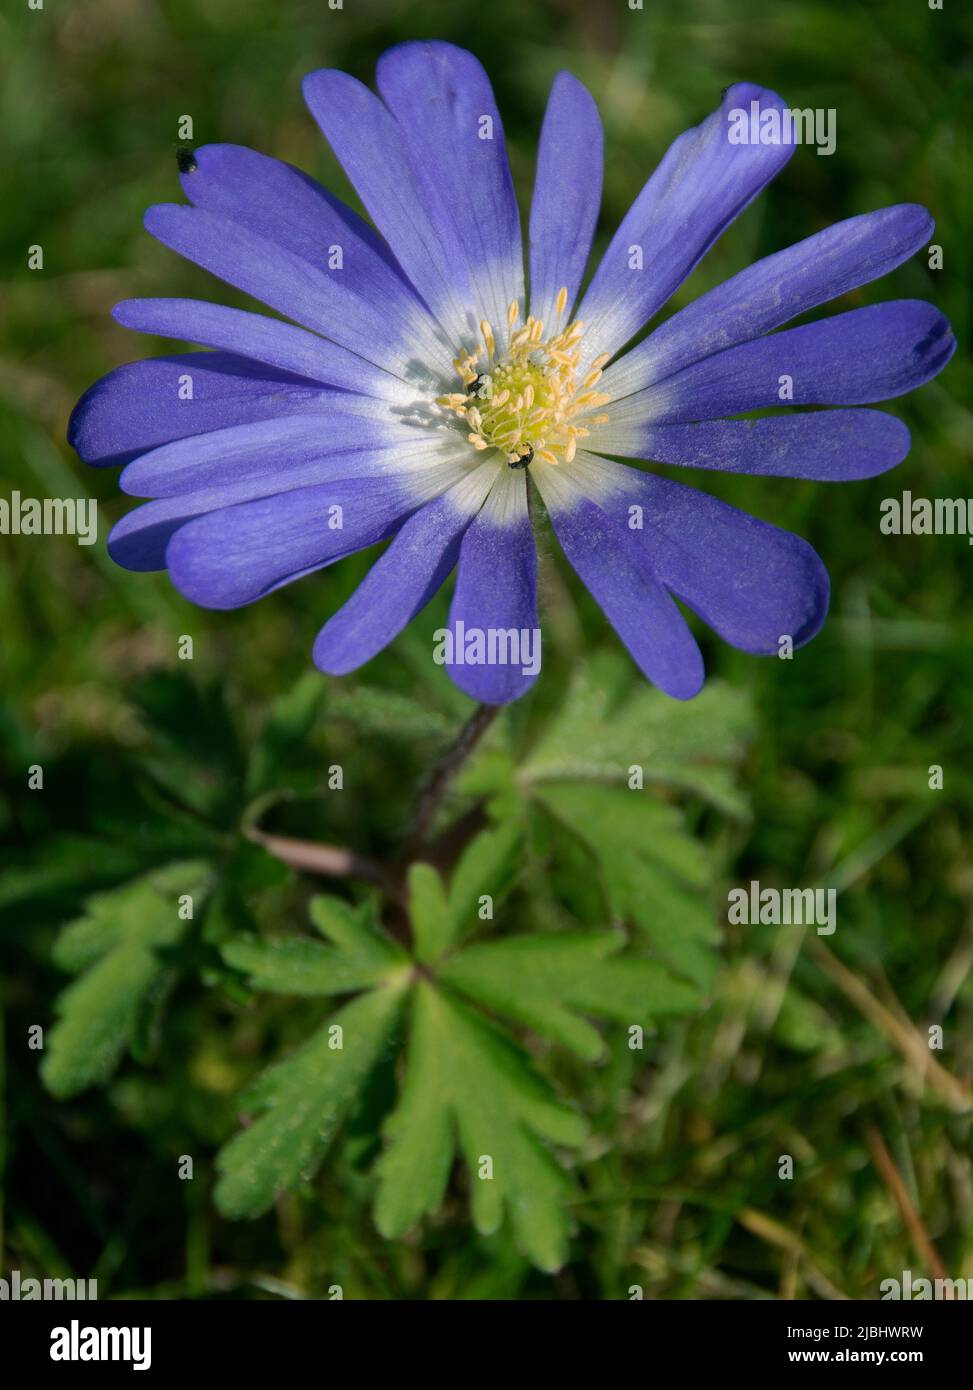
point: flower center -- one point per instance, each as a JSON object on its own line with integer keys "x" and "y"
{"x": 528, "y": 404}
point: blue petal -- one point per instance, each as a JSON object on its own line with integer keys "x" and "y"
{"x": 433, "y": 175}
{"x": 277, "y": 344}
{"x": 601, "y": 549}
{"x": 228, "y": 558}
{"x": 775, "y": 290}
{"x": 278, "y": 204}
{"x": 372, "y": 150}
{"x": 702, "y": 184}
{"x": 496, "y": 596}
{"x": 443, "y": 102}
{"x": 268, "y": 194}
{"x": 855, "y": 358}
{"x": 402, "y": 580}
{"x": 826, "y": 445}
{"x": 567, "y": 194}
{"x": 301, "y": 290}
{"x": 751, "y": 582}
{"x": 272, "y": 452}
{"x": 139, "y": 540}
{"x": 143, "y": 404}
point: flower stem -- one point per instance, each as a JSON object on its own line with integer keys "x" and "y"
{"x": 335, "y": 861}
{"x": 434, "y": 792}
{"x": 330, "y": 861}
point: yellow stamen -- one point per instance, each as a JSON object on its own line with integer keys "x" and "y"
{"x": 488, "y": 338}
{"x": 531, "y": 397}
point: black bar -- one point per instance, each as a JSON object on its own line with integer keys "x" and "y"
{"x": 274, "y": 1335}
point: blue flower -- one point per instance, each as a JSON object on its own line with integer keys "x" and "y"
{"x": 418, "y": 386}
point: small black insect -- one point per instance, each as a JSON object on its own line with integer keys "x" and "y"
{"x": 525, "y": 460}
{"x": 186, "y": 160}
{"x": 475, "y": 387}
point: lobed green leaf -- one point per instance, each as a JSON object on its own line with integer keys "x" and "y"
{"x": 304, "y": 1099}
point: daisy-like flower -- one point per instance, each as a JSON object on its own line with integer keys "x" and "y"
{"x": 419, "y": 385}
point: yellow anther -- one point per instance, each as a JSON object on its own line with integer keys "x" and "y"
{"x": 488, "y": 339}
{"x": 526, "y": 402}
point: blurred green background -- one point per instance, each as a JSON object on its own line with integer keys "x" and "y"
{"x": 804, "y": 1047}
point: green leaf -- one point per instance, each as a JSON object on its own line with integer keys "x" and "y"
{"x": 441, "y": 919}
{"x": 586, "y": 795}
{"x": 654, "y": 873}
{"x": 196, "y": 755}
{"x": 432, "y": 927}
{"x": 389, "y": 715}
{"x": 244, "y": 875}
{"x": 353, "y": 929}
{"x": 691, "y": 745}
{"x": 118, "y": 944}
{"x": 469, "y": 1088}
{"x": 360, "y": 958}
{"x": 486, "y": 866}
{"x": 305, "y": 1100}
{"x": 279, "y": 757}
{"x": 805, "y": 1026}
{"x": 547, "y": 981}
{"x": 66, "y": 862}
